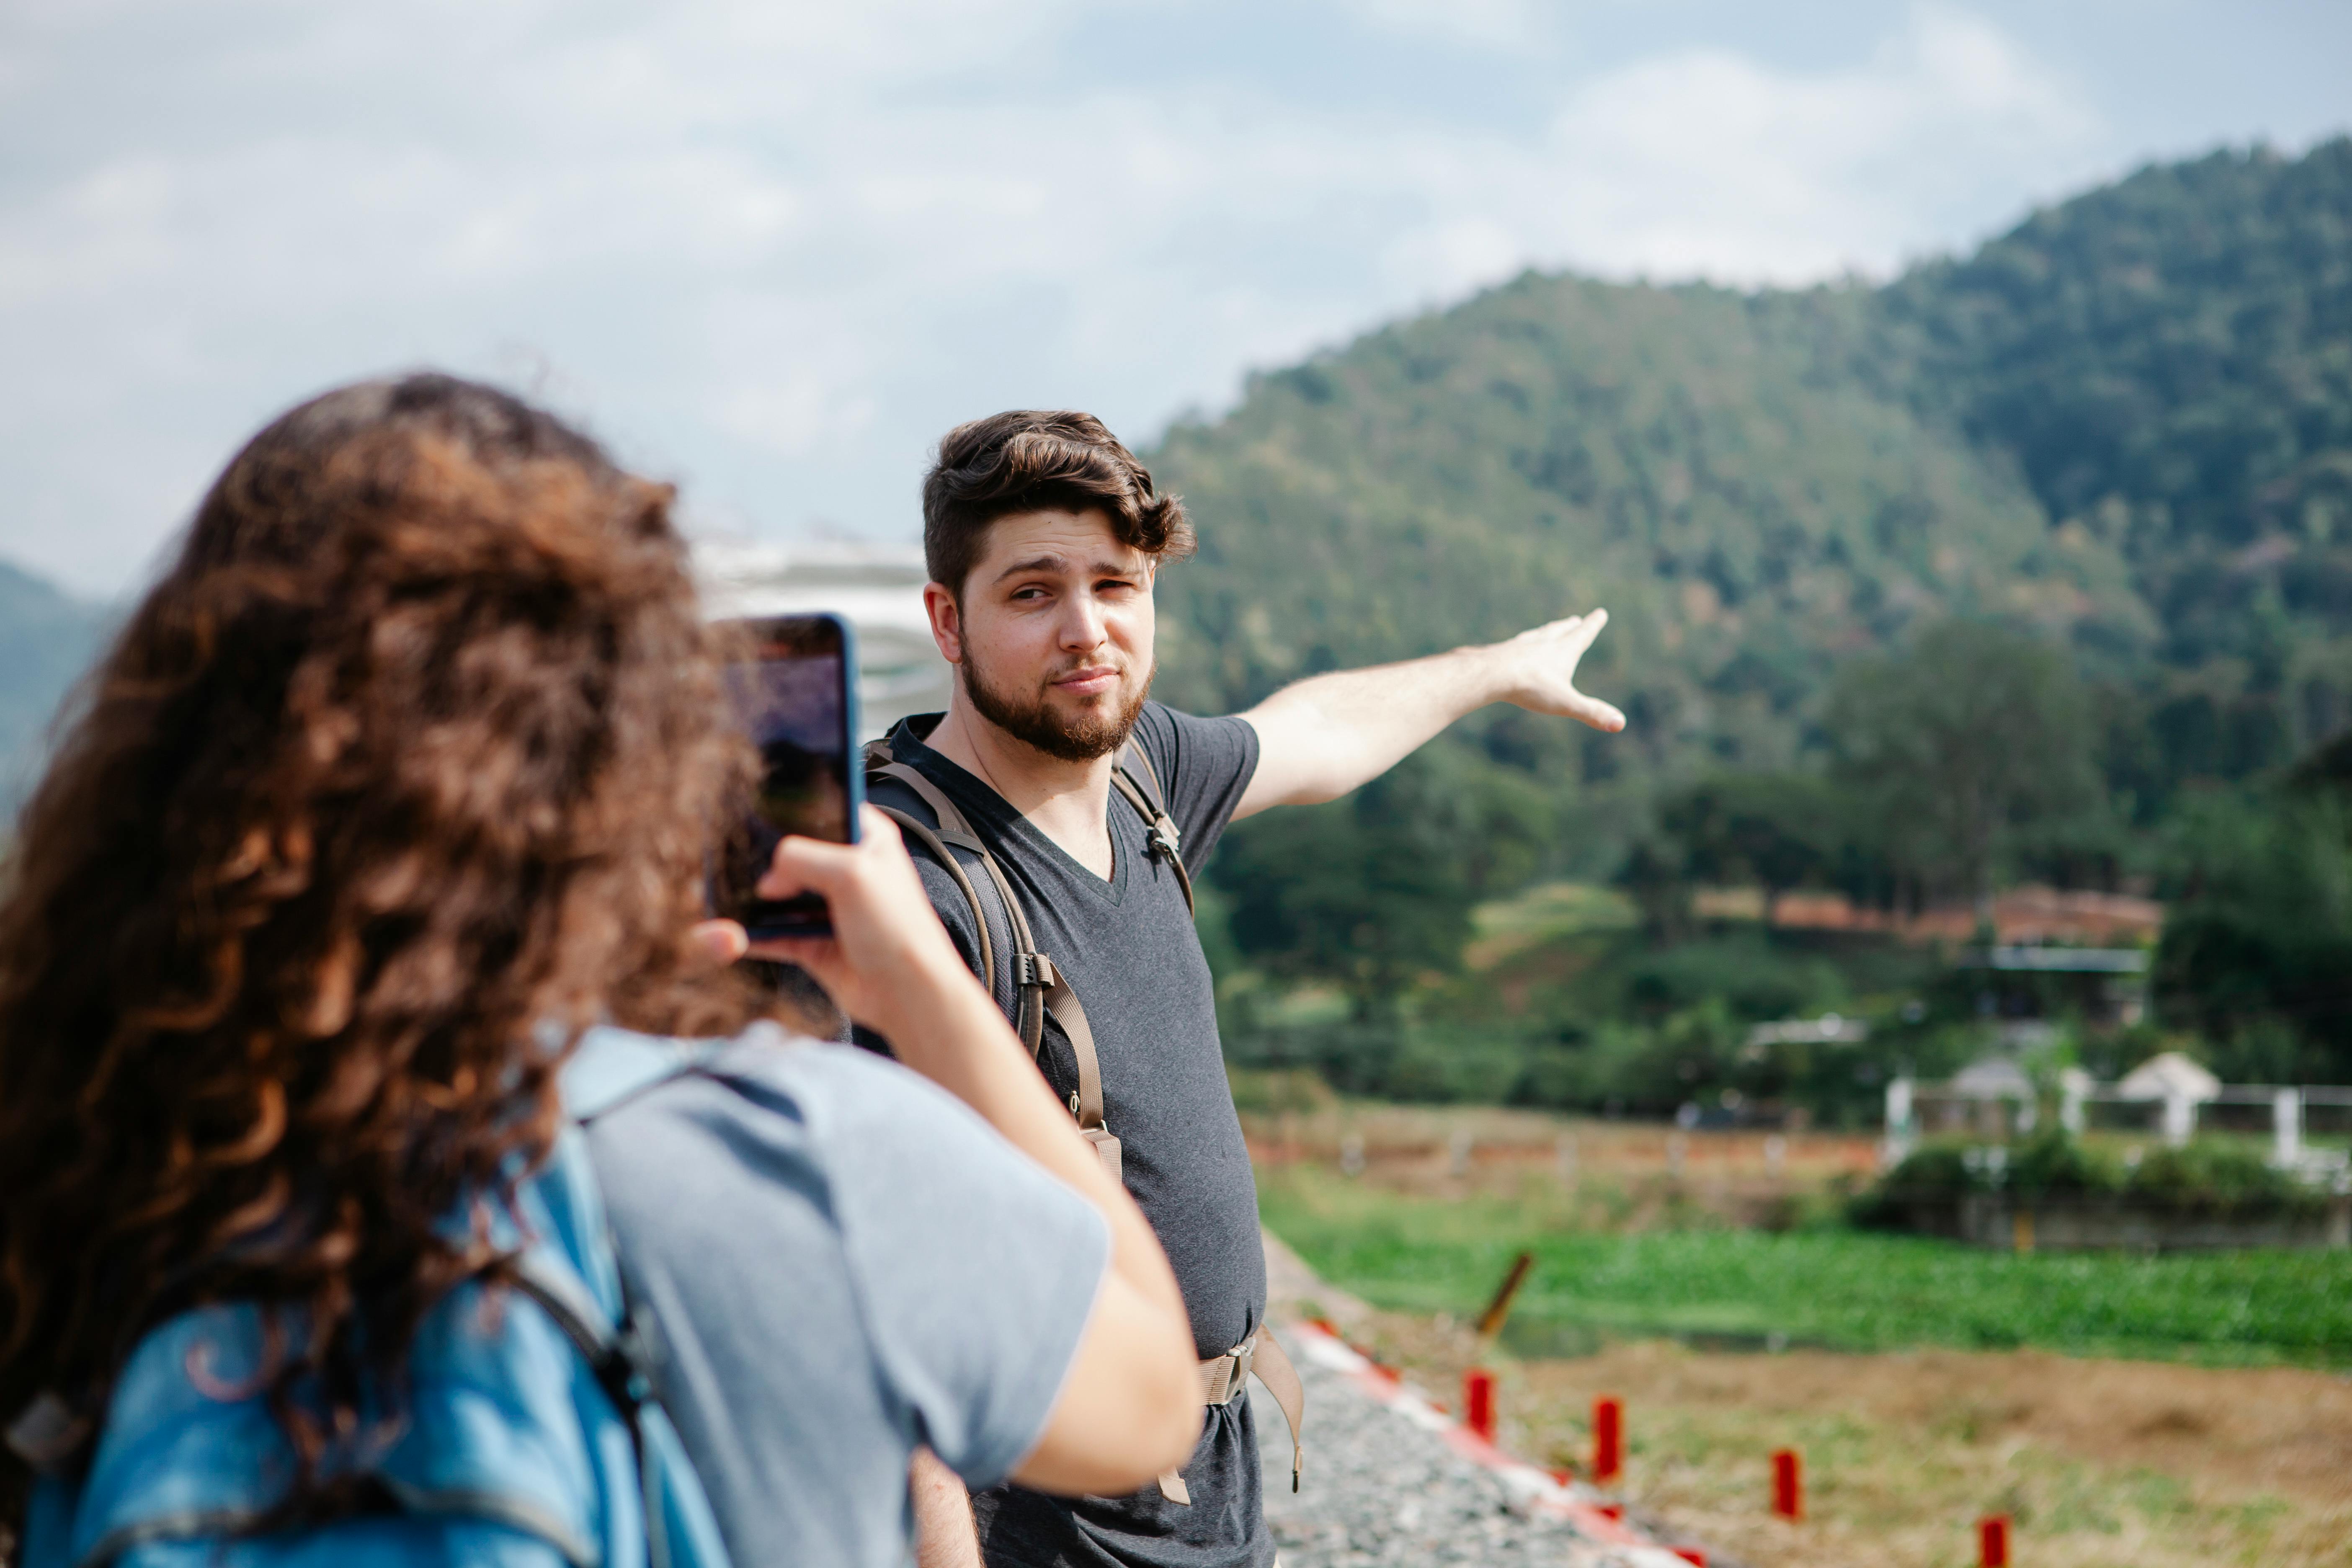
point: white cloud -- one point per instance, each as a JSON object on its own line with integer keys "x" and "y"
{"x": 776, "y": 249}
{"x": 1706, "y": 162}
{"x": 1481, "y": 22}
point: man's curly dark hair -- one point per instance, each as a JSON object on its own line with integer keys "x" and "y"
{"x": 1029, "y": 459}
{"x": 402, "y": 774}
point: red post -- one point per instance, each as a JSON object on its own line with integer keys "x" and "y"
{"x": 1993, "y": 1541}
{"x": 1787, "y": 1484}
{"x": 1608, "y": 1440}
{"x": 1478, "y": 1402}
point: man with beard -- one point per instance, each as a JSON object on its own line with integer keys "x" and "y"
{"x": 1043, "y": 536}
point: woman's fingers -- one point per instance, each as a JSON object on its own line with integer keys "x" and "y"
{"x": 817, "y": 866}
{"x": 817, "y": 954}
{"x": 717, "y": 943}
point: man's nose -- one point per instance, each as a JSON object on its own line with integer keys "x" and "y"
{"x": 1082, "y": 626}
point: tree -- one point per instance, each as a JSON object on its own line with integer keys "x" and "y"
{"x": 2258, "y": 944}
{"x": 1370, "y": 891}
{"x": 1777, "y": 831}
{"x": 1973, "y": 731}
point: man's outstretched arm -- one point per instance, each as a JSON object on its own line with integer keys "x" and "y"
{"x": 1321, "y": 737}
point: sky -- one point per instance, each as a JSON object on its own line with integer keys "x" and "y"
{"x": 772, "y": 250}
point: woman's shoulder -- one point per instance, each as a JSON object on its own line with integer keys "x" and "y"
{"x": 825, "y": 1096}
{"x": 887, "y": 1158}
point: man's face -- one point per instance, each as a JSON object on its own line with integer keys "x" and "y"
{"x": 1053, "y": 638}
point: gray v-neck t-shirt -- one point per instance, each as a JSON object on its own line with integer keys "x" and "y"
{"x": 1129, "y": 950}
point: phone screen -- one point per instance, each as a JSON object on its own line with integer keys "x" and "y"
{"x": 796, "y": 694}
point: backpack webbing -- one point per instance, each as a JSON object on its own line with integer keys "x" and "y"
{"x": 1039, "y": 987}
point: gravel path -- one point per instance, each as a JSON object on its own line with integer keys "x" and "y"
{"x": 1379, "y": 1489}
{"x": 1384, "y": 1484}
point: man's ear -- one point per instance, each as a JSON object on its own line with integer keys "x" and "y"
{"x": 946, "y": 615}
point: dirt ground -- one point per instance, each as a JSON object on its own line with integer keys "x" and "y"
{"x": 2100, "y": 1464}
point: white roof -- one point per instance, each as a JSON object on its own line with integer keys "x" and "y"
{"x": 1992, "y": 1077}
{"x": 2168, "y": 1075}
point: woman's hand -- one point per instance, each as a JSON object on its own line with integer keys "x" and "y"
{"x": 887, "y": 939}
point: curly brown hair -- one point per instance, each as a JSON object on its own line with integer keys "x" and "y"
{"x": 402, "y": 775}
{"x": 1028, "y": 459}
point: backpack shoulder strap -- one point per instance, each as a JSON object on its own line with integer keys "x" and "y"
{"x": 1039, "y": 987}
{"x": 1030, "y": 983}
{"x": 953, "y": 828}
{"x": 1137, "y": 781}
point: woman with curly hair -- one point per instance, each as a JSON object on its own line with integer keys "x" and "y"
{"x": 400, "y": 781}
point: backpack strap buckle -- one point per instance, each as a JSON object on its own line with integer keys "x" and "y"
{"x": 1034, "y": 969}
{"x": 1224, "y": 1378}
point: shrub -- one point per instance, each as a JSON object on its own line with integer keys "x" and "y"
{"x": 2213, "y": 1177}
{"x": 2053, "y": 1165}
{"x": 2209, "y": 1176}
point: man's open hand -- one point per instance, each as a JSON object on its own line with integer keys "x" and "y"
{"x": 1542, "y": 671}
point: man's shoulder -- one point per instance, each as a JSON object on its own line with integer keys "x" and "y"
{"x": 1202, "y": 763}
{"x": 947, "y": 893}
{"x": 1166, "y": 734}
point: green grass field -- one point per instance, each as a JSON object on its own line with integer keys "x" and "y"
{"x": 1832, "y": 1287}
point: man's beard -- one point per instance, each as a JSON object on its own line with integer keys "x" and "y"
{"x": 1034, "y": 721}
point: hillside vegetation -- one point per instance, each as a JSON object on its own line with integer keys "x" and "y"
{"x": 47, "y": 638}
{"x": 2036, "y": 563}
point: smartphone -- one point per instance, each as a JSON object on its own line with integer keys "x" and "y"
{"x": 793, "y": 690}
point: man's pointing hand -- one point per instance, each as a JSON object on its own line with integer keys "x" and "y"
{"x": 1543, "y": 662}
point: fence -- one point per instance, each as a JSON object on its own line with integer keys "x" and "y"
{"x": 1996, "y": 1100}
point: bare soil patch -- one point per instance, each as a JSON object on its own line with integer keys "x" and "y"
{"x": 2100, "y": 1462}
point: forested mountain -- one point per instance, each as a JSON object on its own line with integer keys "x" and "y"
{"x": 2169, "y": 363}
{"x": 2102, "y": 466}
{"x": 1727, "y": 473}
{"x": 47, "y": 638}
{"x": 2126, "y": 424}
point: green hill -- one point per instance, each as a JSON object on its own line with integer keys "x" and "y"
{"x": 47, "y": 638}
{"x": 1725, "y": 472}
{"x": 2125, "y": 425}
{"x": 2121, "y": 431}
{"x": 2169, "y": 363}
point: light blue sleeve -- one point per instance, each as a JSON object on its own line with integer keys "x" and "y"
{"x": 976, "y": 1271}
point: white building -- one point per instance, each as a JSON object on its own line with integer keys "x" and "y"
{"x": 877, "y": 588}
